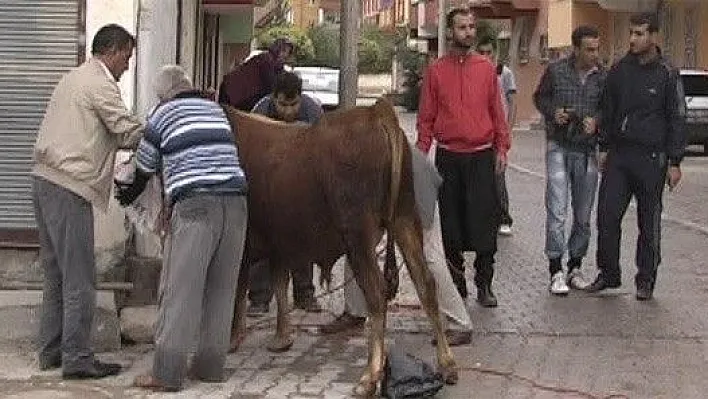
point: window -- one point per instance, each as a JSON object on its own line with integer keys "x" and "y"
{"x": 695, "y": 85}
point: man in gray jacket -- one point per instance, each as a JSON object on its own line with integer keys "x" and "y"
{"x": 84, "y": 124}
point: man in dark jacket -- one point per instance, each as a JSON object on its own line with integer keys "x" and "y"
{"x": 642, "y": 143}
{"x": 246, "y": 84}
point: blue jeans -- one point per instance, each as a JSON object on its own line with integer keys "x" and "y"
{"x": 570, "y": 177}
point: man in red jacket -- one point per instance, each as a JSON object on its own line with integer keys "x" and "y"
{"x": 461, "y": 108}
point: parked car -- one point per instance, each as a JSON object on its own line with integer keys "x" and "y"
{"x": 695, "y": 87}
{"x": 320, "y": 83}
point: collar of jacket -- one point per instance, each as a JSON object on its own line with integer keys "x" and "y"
{"x": 634, "y": 58}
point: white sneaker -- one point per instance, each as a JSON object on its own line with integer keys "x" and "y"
{"x": 558, "y": 284}
{"x": 505, "y": 230}
{"x": 576, "y": 280}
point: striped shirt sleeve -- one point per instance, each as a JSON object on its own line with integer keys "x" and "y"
{"x": 148, "y": 155}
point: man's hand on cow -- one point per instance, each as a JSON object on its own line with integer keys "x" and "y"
{"x": 501, "y": 163}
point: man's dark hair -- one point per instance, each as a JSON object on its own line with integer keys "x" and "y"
{"x": 486, "y": 41}
{"x": 111, "y": 37}
{"x": 288, "y": 84}
{"x": 450, "y": 20}
{"x": 583, "y": 31}
{"x": 646, "y": 18}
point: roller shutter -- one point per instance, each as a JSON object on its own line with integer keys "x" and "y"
{"x": 39, "y": 43}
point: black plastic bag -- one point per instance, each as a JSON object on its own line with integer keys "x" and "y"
{"x": 406, "y": 376}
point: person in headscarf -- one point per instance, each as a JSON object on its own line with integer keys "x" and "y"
{"x": 254, "y": 79}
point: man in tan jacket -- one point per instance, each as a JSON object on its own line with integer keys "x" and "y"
{"x": 84, "y": 124}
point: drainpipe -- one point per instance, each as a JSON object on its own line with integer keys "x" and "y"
{"x": 441, "y": 28}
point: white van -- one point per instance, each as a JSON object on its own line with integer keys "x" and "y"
{"x": 695, "y": 87}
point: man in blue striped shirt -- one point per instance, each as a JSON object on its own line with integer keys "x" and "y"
{"x": 188, "y": 140}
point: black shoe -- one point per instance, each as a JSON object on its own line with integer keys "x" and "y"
{"x": 644, "y": 293}
{"x": 98, "y": 370}
{"x": 49, "y": 364}
{"x": 486, "y": 297}
{"x": 601, "y": 283}
{"x": 257, "y": 309}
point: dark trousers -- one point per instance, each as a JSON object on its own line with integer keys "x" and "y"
{"x": 65, "y": 224}
{"x": 503, "y": 196}
{"x": 261, "y": 285}
{"x": 469, "y": 213}
{"x": 631, "y": 172}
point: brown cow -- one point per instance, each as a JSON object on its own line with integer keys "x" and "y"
{"x": 317, "y": 193}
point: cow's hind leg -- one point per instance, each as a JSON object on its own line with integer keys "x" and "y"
{"x": 282, "y": 341}
{"x": 410, "y": 241}
{"x": 362, "y": 259}
{"x": 238, "y": 325}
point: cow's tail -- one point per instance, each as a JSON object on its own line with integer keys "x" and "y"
{"x": 397, "y": 145}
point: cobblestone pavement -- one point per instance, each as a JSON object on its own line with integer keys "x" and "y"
{"x": 532, "y": 346}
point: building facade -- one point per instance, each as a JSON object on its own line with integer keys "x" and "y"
{"x": 683, "y": 30}
{"x": 45, "y": 39}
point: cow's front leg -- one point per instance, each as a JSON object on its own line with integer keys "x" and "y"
{"x": 371, "y": 281}
{"x": 282, "y": 341}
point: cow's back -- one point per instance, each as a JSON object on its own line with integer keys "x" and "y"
{"x": 308, "y": 184}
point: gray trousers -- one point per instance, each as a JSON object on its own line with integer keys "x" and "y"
{"x": 449, "y": 300}
{"x": 65, "y": 224}
{"x": 198, "y": 286}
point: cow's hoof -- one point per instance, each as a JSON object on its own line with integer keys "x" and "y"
{"x": 450, "y": 375}
{"x": 365, "y": 389}
{"x": 279, "y": 345}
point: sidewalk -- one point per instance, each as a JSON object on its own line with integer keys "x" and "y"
{"x": 532, "y": 346}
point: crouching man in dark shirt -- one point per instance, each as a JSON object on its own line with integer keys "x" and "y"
{"x": 287, "y": 104}
{"x": 642, "y": 142}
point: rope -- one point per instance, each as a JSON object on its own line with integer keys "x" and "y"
{"x": 260, "y": 324}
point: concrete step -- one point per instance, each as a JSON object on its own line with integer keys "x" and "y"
{"x": 23, "y": 310}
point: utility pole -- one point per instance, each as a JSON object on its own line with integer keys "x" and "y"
{"x": 349, "y": 52}
{"x": 442, "y": 31}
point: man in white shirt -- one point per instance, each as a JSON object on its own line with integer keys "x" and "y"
{"x": 507, "y": 84}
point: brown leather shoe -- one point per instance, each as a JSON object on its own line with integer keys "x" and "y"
{"x": 456, "y": 338}
{"x": 345, "y": 322}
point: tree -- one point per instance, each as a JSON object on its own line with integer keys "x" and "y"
{"x": 304, "y": 51}
{"x": 376, "y": 50}
{"x": 325, "y": 41}
{"x": 486, "y": 30}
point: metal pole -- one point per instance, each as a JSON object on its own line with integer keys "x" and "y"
{"x": 348, "y": 48}
{"x": 441, "y": 28}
